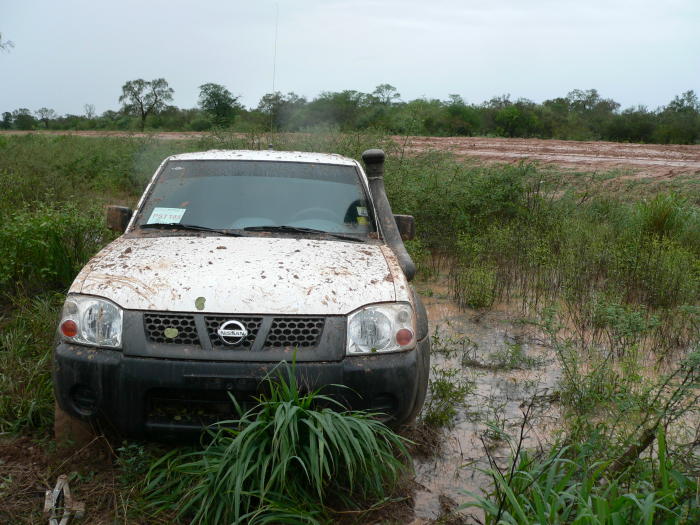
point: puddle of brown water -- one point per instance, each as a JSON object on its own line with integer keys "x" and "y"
{"x": 499, "y": 397}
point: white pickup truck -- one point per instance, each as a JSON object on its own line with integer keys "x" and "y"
{"x": 233, "y": 262}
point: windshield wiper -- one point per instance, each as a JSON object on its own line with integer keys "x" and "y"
{"x": 298, "y": 229}
{"x": 195, "y": 227}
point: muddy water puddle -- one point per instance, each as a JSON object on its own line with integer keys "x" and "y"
{"x": 508, "y": 371}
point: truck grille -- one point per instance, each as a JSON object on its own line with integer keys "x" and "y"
{"x": 171, "y": 328}
{"x": 252, "y": 324}
{"x": 299, "y": 332}
{"x": 264, "y": 332}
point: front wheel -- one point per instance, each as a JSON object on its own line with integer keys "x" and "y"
{"x": 423, "y": 373}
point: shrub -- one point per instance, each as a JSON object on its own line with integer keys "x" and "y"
{"x": 475, "y": 287}
{"x": 44, "y": 248}
{"x": 201, "y": 124}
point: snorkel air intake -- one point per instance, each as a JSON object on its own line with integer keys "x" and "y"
{"x": 374, "y": 167}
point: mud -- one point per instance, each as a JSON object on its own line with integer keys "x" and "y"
{"x": 644, "y": 160}
{"x": 501, "y": 395}
{"x": 641, "y": 160}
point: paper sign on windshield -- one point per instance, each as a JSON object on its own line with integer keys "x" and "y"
{"x": 166, "y": 215}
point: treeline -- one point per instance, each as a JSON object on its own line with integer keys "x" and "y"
{"x": 580, "y": 115}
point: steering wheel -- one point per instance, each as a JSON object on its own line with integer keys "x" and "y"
{"x": 316, "y": 213}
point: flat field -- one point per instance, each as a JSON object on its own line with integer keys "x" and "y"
{"x": 643, "y": 160}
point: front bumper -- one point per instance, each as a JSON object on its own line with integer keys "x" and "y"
{"x": 144, "y": 397}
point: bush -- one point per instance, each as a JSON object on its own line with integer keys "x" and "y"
{"x": 201, "y": 124}
{"x": 475, "y": 287}
{"x": 44, "y": 248}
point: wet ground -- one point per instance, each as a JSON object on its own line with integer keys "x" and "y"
{"x": 509, "y": 371}
{"x": 659, "y": 161}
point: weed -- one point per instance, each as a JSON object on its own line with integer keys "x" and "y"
{"x": 44, "y": 248}
{"x": 26, "y": 397}
{"x": 447, "y": 392}
{"x": 666, "y": 215}
{"x": 568, "y": 486}
{"x": 453, "y": 345}
{"x": 512, "y": 356}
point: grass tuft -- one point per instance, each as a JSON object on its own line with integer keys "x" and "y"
{"x": 280, "y": 462}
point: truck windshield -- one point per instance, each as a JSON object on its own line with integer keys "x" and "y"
{"x": 238, "y": 194}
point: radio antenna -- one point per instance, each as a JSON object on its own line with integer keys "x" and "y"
{"x": 274, "y": 59}
{"x": 274, "y": 64}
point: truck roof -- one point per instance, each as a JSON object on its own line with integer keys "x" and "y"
{"x": 266, "y": 155}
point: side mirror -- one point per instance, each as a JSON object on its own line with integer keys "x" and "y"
{"x": 407, "y": 226}
{"x": 118, "y": 218}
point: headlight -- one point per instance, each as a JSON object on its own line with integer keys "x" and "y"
{"x": 91, "y": 321}
{"x": 381, "y": 328}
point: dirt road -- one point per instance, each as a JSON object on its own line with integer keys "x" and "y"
{"x": 647, "y": 160}
{"x": 642, "y": 160}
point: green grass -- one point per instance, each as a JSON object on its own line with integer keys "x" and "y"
{"x": 282, "y": 461}
{"x": 44, "y": 248}
{"x": 567, "y": 485}
{"x": 26, "y": 337}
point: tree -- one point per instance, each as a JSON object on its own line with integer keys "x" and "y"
{"x": 45, "y": 114}
{"x": 23, "y": 119}
{"x": 142, "y": 98}
{"x": 386, "y": 94}
{"x": 499, "y": 102}
{"x": 591, "y": 112}
{"x": 680, "y": 120}
{"x": 89, "y": 111}
{"x": 6, "y": 122}
{"x": 461, "y": 119}
{"x": 6, "y": 45}
{"x": 219, "y": 103}
{"x": 281, "y": 110}
{"x": 337, "y": 108}
{"x": 686, "y": 103}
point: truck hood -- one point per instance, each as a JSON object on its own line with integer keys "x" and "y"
{"x": 242, "y": 275}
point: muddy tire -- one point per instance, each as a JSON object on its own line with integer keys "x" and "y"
{"x": 423, "y": 370}
{"x": 423, "y": 374}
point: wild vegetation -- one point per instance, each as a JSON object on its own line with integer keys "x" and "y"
{"x": 609, "y": 276}
{"x": 580, "y": 115}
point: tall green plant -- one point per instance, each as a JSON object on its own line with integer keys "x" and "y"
{"x": 280, "y": 462}
{"x": 564, "y": 487}
{"x": 44, "y": 248}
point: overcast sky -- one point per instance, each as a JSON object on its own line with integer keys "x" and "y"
{"x": 71, "y": 52}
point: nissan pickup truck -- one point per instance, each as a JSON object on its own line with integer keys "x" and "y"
{"x": 232, "y": 263}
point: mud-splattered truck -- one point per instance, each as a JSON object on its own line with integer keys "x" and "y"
{"x": 233, "y": 262}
